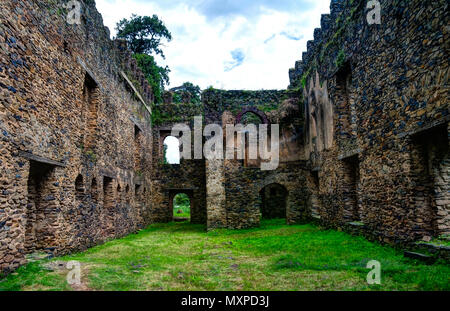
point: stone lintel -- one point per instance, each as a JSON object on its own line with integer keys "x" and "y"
{"x": 30, "y": 156}
{"x": 138, "y": 180}
{"x": 180, "y": 189}
{"x": 425, "y": 128}
{"x": 164, "y": 129}
{"x": 89, "y": 72}
{"x": 137, "y": 123}
{"x": 349, "y": 154}
{"x": 107, "y": 173}
{"x": 356, "y": 224}
{"x": 421, "y": 257}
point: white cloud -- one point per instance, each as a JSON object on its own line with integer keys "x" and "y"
{"x": 207, "y": 34}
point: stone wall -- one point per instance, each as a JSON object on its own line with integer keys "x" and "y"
{"x": 376, "y": 118}
{"x": 235, "y": 189}
{"x": 188, "y": 177}
{"x": 75, "y": 133}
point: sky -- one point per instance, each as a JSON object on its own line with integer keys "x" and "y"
{"x": 228, "y": 44}
{"x": 173, "y": 155}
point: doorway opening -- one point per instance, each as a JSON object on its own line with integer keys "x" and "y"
{"x": 274, "y": 201}
{"x": 181, "y": 207}
{"x": 430, "y": 155}
{"x": 41, "y": 207}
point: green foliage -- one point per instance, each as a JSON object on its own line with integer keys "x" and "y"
{"x": 158, "y": 119}
{"x": 181, "y": 200}
{"x": 188, "y": 87}
{"x": 144, "y": 34}
{"x": 251, "y": 118}
{"x": 177, "y": 99}
{"x": 165, "y": 161}
{"x": 340, "y": 59}
{"x": 268, "y": 107}
{"x": 305, "y": 77}
{"x": 157, "y": 77}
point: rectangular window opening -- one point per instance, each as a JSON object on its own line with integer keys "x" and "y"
{"x": 108, "y": 193}
{"x": 345, "y": 96}
{"x": 91, "y": 94}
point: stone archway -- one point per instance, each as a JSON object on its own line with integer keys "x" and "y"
{"x": 274, "y": 201}
{"x": 260, "y": 114}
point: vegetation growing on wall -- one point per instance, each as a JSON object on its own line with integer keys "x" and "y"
{"x": 193, "y": 90}
{"x": 144, "y": 35}
{"x": 157, "y": 77}
{"x": 340, "y": 59}
{"x": 233, "y": 101}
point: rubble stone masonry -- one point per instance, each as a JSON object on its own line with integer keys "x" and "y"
{"x": 74, "y": 134}
{"x": 364, "y": 133}
{"x": 377, "y": 113}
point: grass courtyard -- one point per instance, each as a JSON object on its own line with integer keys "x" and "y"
{"x": 181, "y": 256}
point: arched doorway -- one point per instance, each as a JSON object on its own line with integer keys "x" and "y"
{"x": 274, "y": 200}
{"x": 181, "y": 207}
{"x": 251, "y": 116}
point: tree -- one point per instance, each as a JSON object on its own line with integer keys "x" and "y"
{"x": 144, "y": 34}
{"x": 190, "y": 88}
{"x": 182, "y": 200}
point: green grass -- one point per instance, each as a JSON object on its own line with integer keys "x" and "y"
{"x": 181, "y": 256}
{"x": 186, "y": 211}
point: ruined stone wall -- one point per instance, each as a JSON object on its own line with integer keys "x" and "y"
{"x": 188, "y": 177}
{"x": 376, "y": 115}
{"x": 234, "y": 189}
{"x": 75, "y": 133}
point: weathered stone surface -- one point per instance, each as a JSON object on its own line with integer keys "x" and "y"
{"x": 67, "y": 139}
{"x": 387, "y": 162}
{"x": 235, "y": 188}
